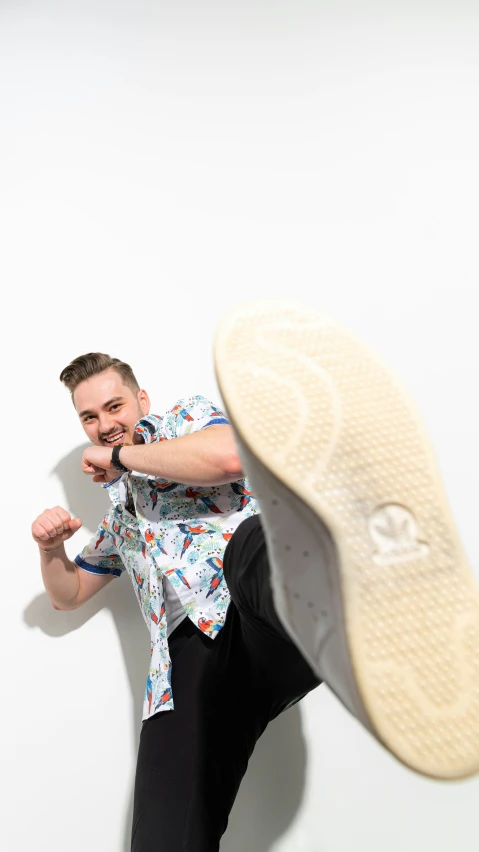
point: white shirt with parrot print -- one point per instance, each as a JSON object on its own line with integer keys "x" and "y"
{"x": 177, "y": 531}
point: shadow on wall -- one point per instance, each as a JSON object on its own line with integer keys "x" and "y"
{"x": 272, "y": 789}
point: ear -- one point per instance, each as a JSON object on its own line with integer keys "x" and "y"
{"x": 144, "y": 402}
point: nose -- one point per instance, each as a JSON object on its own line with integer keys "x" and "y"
{"x": 105, "y": 424}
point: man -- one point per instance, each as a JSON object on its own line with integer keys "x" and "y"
{"x": 353, "y": 573}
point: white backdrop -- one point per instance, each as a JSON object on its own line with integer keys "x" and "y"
{"x": 159, "y": 162}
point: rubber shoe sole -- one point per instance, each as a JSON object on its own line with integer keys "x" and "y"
{"x": 368, "y": 574}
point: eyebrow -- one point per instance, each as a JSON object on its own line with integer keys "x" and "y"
{"x": 106, "y": 405}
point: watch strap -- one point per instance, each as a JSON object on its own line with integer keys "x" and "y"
{"x": 115, "y": 458}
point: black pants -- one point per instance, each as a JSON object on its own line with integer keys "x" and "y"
{"x": 226, "y": 690}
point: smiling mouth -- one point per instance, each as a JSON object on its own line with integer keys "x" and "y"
{"x": 117, "y": 438}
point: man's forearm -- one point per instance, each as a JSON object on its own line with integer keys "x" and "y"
{"x": 208, "y": 457}
{"x": 60, "y": 578}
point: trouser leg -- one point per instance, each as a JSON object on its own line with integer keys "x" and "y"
{"x": 191, "y": 760}
{"x": 270, "y": 648}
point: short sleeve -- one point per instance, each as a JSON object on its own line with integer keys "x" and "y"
{"x": 192, "y": 415}
{"x": 101, "y": 556}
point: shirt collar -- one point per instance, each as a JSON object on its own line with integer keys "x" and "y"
{"x": 147, "y": 430}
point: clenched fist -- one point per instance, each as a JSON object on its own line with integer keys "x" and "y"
{"x": 53, "y": 527}
{"x": 96, "y": 461}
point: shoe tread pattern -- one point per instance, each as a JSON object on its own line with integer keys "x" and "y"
{"x": 331, "y": 422}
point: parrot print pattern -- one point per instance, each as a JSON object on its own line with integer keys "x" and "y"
{"x": 179, "y": 532}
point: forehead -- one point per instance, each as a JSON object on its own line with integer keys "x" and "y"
{"x": 93, "y": 393}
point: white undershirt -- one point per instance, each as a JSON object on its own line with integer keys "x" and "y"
{"x": 173, "y": 606}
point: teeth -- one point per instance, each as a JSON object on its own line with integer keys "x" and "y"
{"x": 114, "y": 438}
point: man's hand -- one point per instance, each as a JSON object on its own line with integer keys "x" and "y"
{"x": 96, "y": 461}
{"x": 53, "y": 527}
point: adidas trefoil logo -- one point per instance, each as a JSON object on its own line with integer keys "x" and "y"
{"x": 395, "y": 534}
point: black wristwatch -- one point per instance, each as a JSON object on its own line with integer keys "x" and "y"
{"x": 115, "y": 458}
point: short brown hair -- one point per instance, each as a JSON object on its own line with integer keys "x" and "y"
{"x": 86, "y": 366}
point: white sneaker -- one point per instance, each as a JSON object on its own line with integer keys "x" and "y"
{"x": 368, "y": 573}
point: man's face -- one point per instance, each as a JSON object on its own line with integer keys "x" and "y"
{"x": 108, "y": 409}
